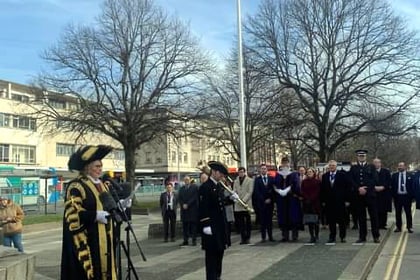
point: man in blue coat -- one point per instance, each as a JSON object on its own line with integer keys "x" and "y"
{"x": 403, "y": 194}
{"x": 263, "y": 200}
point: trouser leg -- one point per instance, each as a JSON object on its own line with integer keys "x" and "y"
{"x": 398, "y": 212}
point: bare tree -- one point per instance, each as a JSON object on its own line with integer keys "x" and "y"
{"x": 133, "y": 72}
{"x": 337, "y": 56}
{"x": 223, "y": 107}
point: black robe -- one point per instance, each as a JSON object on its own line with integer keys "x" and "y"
{"x": 87, "y": 251}
{"x": 384, "y": 197}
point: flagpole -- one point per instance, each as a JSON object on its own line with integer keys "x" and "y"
{"x": 242, "y": 135}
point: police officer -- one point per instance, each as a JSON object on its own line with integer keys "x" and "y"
{"x": 364, "y": 178}
{"x": 214, "y": 237}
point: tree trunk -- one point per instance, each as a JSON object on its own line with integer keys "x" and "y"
{"x": 130, "y": 163}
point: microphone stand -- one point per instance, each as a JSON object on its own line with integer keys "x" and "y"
{"x": 121, "y": 243}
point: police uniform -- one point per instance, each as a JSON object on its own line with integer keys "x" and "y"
{"x": 363, "y": 174}
{"x": 212, "y": 216}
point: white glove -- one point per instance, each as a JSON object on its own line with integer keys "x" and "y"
{"x": 125, "y": 203}
{"x": 347, "y": 204}
{"x": 102, "y": 216}
{"x": 283, "y": 193}
{"x": 287, "y": 190}
{"x": 234, "y": 196}
{"x": 207, "y": 231}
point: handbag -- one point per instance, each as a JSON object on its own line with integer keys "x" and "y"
{"x": 310, "y": 218}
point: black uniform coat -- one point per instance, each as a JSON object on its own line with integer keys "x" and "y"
{"x": 364, "y": 175}
{"x": 189, "y": 195}
{"x": 87, "y": 245}
{"x": 384, "y": 197}
{"x": 335, "y": 195}
{"x": 212, "y": 213}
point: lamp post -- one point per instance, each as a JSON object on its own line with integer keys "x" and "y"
{"x": 242, "y": 139}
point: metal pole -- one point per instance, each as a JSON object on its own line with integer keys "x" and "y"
{"x": 242, "y": 139}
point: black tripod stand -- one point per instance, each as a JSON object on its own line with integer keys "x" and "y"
{"x": 125, "y": 246}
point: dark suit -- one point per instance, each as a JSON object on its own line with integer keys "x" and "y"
{"x": 189, "y": 217}
{"x": 335, "y": 191}
{"x": 416, "y": 186}
{"x": 212, "y": 214}
{"x": 365, "y": 175}
{"x": 168, "y": 214}
{"x": 403, "y": 197}
{"x": 263, "y": 191}
{"x": 384, "y": 198}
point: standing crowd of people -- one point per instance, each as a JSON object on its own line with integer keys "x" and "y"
{"x": 291, "y": 198}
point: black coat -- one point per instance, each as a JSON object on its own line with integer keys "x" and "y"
{"x": 189, "y": 196}
{"x": 409, "y": 184}
{"x": 365, "y": 175}
{"x": 335, "y": 195}
{"x": 212, "y": 213}
{"x": 262, "y": 192}
{"x": 384, "y": 197}
{"x": 164, "y": 202}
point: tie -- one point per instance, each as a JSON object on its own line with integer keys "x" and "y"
{"x": 332, "y": 177}
{"x": 402, "y": 186}
{"x": 169, "y": 201}
{"x": 265, "y": 179}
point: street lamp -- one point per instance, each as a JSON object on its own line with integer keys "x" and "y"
{"x": 242, "y": 140}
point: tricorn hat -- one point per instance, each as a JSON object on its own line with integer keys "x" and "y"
{"x": 87, "y": 154}
{"x": 218, "y": 166}
{"x": 361, "y": 152}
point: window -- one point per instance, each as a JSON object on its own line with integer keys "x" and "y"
{"x": 24, "y": 122}
{"x": 119, "y": 154}
{"x": 185, "y": 160}
{"x": 4, "y": 120}
{"x": 23, "y": 154}
{"x": 148, "y": 157}
{"x": 20, "y": 97}
{"x": 158, "y": 160}
{"x": 173, "y": 156}
{"x": 64, "y": 149}
{"x": 58, "y": 104}
{"x": 4, "y": 152}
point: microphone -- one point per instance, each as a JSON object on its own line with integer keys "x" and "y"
{"x": 109, "y": 205}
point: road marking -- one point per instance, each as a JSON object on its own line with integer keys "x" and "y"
{"x": 394, "y": 265}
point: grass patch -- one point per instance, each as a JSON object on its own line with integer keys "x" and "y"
{"x": 42, "y": 218}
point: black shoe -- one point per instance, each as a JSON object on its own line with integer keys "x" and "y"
{"x": 397, "y": 230}
{"x": 194, "y": 243}
{"x": 284, "y": 240}
{"x": 376, "y": 240}
{"x": 185, "y": 243}
{"x": 355, "y": 227}
{"x": 294, "y": 239}
{"x": 360, "y": 242}
{"x": 330, "y": 241}
{"x": 272, "y": 240}
{"x": 246, "y": 242}
{"x": 165, "y": 240}
{"x": 343, "y": 240}
{"x": 172, "y": 239}
{"x": 410, "y": 230}
{"x": 263, "y": 240}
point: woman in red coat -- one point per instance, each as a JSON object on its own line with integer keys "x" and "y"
{"x": 310, "y": 192}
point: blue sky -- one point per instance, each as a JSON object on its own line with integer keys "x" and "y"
{"x": 27, "y": 27}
